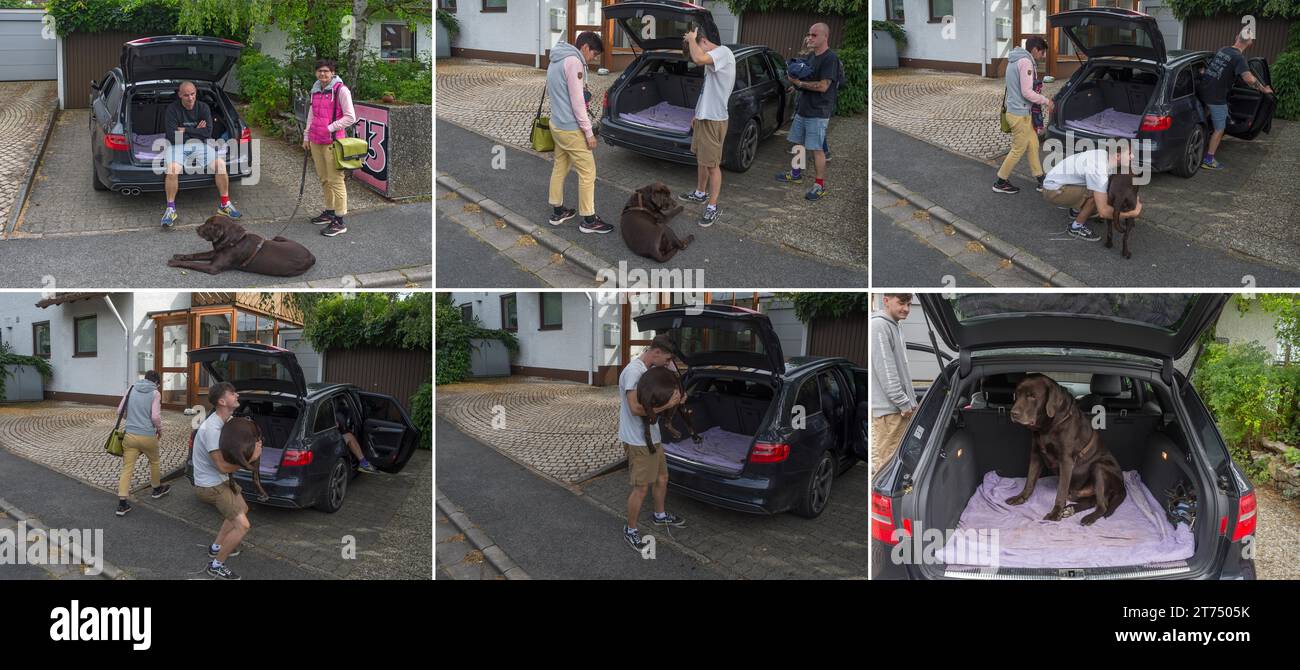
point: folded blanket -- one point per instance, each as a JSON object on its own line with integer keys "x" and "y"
{"x": 1109, "y": 122}
{"x": 664, "y": 116}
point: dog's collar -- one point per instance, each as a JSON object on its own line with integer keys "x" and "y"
{"x": 254, "y": 254}
{"x": 237, "y": 240}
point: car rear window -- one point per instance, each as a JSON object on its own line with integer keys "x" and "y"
{"x": 1165, "y": 311}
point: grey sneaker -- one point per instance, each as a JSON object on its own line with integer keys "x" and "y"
{"x": 1083, "y": 232}
{"x": 633, "y": 538}
{"x": 709, "y": 217}
{"x": 694, "y": 197}
{"x": 221, "y": 572}
{"x": 669, "y": 519}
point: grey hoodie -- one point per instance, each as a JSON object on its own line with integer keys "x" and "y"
{"x": 144, "y": 411}
{"x": 1017, "y": 105}
{"x": 891, "y": 378}
{"x": 557, "y": 88}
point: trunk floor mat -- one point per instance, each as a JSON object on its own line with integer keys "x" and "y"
{"x": 720, "y": 448}
{"x": 1109, "y": 122}
{"x": 665, "y": 116}
{"x": 142, "y": 146}
{"x": 1138, "y": 533}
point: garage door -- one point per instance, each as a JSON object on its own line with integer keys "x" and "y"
{"x": 24, "y": 55}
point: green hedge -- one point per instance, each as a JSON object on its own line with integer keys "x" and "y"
{"x": 451, "y": 361}
{"x": 1266, "y": 9}
{"x": 1286, "y": 84}
{"x": 8, "y": 359}
{"x": 407, "y": 80}
{"x": 422, "y": 414}
{"x": 264, "y": 85}
{"x": 852, "y": 97}
{"x": 1250, "y": 396}
{"x": 810, "y": 305}
{"x": 92, "y": 16}
{"x": 375, "y": 320}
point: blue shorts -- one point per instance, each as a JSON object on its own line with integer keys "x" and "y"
{"x": 193, "y": 154}
{"x": 810, "y": 132}
{"x": 1219, "y": 116}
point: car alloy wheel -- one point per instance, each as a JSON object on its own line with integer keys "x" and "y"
{"x": 821, "y": 483}
{"x": 748, "y": 145}
{"x": 1195, "y": 149}
{"x": 338, "y": 486}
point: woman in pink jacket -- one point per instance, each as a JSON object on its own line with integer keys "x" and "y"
{"x": 331, "y": 112}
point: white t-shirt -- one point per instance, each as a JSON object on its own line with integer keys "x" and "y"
{"x": 719, "y": 79}
{"x": 1086, "y": 168}
{"x": 208, "y": 439}
{"x": 630, "y": 428}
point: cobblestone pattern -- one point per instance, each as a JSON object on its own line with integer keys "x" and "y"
{"x": 563, "y": 429}
{"x": 1278, "y": 535}
{"x": 62, "y": 200}
{"x": 499, "y": 100}
{"x": 69, "y": 438}
{"x": 25, "y": 107}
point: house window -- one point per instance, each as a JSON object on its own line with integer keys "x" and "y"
{"x": 494, "y": 5}
{"x": 449, "y": 5}
{"x": 940, "y": 9}
{"x": 551, "y": 309}
{"x": 509, "y": 312}
{"x": 467, "y": 312}
{"x": 84, "y": 336}
{"x": 894, "y": 10}
{"x": 41, "y": 339}
{"x": 396, "y": 41}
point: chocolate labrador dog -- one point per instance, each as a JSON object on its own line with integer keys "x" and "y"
{"x": 1063, "y": 438}
{"x": 239, "y": 437}
{"x": 645, "y": 223}
{"x": 654, "y": 389}
{"x": 234, "y": 248}
{"x": 1123, "y": 197}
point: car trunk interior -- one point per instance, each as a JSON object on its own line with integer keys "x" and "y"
{"x": 147, "y": 112}
{"x": 1110, "y": 100}
{"x": 727, "y": 414}
{"x": 661, "y": 94}
{"x": 276, "y": 420}
{"x": 984, "y": 460}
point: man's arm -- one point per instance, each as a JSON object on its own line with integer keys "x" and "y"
{"x": 1254, "y": 82}
{"x": 221, "y": 463}
{"x": 700, "y": 56}
{"x": 1106, "y": 212}
{"x": 204, "y": 128}
{"x": 638, "y": 410}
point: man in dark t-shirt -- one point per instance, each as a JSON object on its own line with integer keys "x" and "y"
{"x": 188, "y": 126}
{"x": 817, "y": 95}
{"x": 1218, "y": 79}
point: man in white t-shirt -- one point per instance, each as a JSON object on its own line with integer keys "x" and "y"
{"x": 644, "y": 467}
{"x": 709, "y": 127}
{"x": 1080, "y": 183}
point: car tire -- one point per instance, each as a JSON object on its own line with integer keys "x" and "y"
{"x": 817, "y": 489}
{"x": 336, "y": 488}
{"x": 746, "y": 150}
{"x": 1189, "y": 163}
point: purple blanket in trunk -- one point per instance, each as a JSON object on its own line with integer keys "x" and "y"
{"x": 1109, "y": 123}
{"x": 664, "y": 116}
{"x": 1138, "y": 533}
{"x": 142, "y": 146}
{"x": 720, "y": 448}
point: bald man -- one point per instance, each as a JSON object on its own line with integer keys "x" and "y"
{"x": 188, "y": 122}
{"x": 812, "y": 116}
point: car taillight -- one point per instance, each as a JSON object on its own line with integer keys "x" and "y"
{"x": 882, "y": 519}
{"x": 1155, "y": 122}
{"x": 604, "y": 105}
{"x": 116, "y": 142}
{"x": 296, "y": 457}
{"x": 245, "y": 136}
{"x": 767, "y": 452}
{"x": 1245, "y": 517}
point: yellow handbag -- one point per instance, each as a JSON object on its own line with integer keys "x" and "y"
{"x": 117, "y": 439}
{"x": 541, "y": 137}
{"x": 349, "y": 152}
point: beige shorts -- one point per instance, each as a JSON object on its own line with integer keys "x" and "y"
{"x": 643, "y": 466}
{"x": 1070, "y": 195}
{"x": 229, "y": 503}
{"x": 707, "y": 138}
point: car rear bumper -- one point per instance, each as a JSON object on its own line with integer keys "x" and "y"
{"x": 755, "y": 495}
{"x": 664, "y": 146}
{"x": 292, "y": 492}
{"x": 144, "y": 179}
{"x": 1164, "y": 155}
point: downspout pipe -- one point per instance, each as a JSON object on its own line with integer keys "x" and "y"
{"x": 984, "y": 43}
{"x": 591, "y": 340}
{"x": 108, "y": 300}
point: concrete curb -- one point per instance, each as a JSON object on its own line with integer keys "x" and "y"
{"x": 21, "y": 199}
{"x": 494, "y": 554}
{"x": 1032, "y": 264}
{"x": 110, "y": 571}
{"x": 398, "y": 278}
{"x": 571, "y": 252}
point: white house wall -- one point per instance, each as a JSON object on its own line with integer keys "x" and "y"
{"x": 516, "y": 30}
{"x": 925, "y": 40}
{"x": 563, "y": 349}
{"x": 1255, "y": 325}
{"x": 102, "y": 374}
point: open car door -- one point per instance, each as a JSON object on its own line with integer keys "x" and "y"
{"x": 862, "y": 417}
{"x": 1249, "y": 111}
{"x": 389, "y": 436}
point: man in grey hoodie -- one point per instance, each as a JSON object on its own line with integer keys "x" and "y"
{"x": 1021, "y": 72}
{"x": 571, "y": 129}
{"x": 143, "y": 403}
{"x": 893, "y": 399}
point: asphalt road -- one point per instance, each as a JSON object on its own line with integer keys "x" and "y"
{"x": 903, "y": 256}
{"x": 377, "y": 240}
{"x": 962, "y": 186}
{"x": 726, "y": 257}
{"x": 467, "y": 261}
{"x": 546, "y": 529}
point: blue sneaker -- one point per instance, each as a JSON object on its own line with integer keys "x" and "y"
{"x": 229, "y": 210}
{"x": 789, "y": 177}
{"x": 1211, "y": 163}
{"x": 169, "y": 217}
{"x": 817, "y": 192}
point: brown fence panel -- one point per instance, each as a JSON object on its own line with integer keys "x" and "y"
{"x": 784, "y": 31}
{"x": 845, "y": 336}
{"x": 1216, "y": 32}
{"x": 394, "y": 372}
{"x": 86, "y": 57}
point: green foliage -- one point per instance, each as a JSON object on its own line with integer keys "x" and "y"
{"x": 857, "y": 33}
{"x": 91, "y": 16}
{"x": 8, "y": 360}
{"x": 845, "y": 7}
{"x": 408, "y": 80}
{"x": 234, "y": 19}
{"x": 809, "y": 306}
{"x": 1292, "y": 455}
{"x": 371, "y": 320}
{"x": 1264, "y": 9}
{"x": 1250, "y": 397}
{"x": 264, "y": 85}
{"x": 1286, "y": 84}
{"x": 422, "y": 414}
{"x": 451, "y": 361}
{"x": 852, "y": 96}
{"x": 1285, "y": 309}
{"x": 896, "y": 31}
{"x": 449, "y": 21}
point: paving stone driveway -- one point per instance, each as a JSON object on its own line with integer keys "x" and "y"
{"x": 62, "y": 200}
{"x": 499, "y": 100}
{"x": 1252, "y": 207}
{"x": 25, "y": 107}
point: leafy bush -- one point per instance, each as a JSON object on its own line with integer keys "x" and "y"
{"x": 1250, "y": 397}
{"x": 852, "y": 96}
{"x": 1261, "y": 8}
{"x": 449, "y": 21}
{"x": 857, "y": 34}
{"x": 378, "y": 320}
{"x": 408, "y": 80}
{"x": 1286, "y": 84}
{"x": 809, "y": 305}
{"x": 92, "y": 16}
{"x": 451, "y": 361}
{"x": 895, "y": 30}
{"x": 264, "y": 85}
{"x": 422, "y": 414}
{"x": 8, "y": 359}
